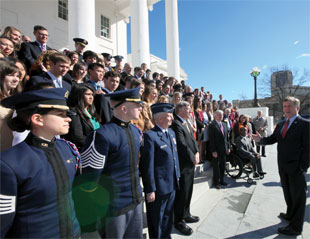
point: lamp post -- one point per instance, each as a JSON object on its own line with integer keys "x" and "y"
{"x": 255, "y": 72}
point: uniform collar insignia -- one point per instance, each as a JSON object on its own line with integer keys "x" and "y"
{"x": 120, "y": 122}
{"x": 38, "y": 142}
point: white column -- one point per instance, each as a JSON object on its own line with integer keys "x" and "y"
{"x": 81, "y": 22}
{"x": 140, "y": 44}
{"x": 172, "y": 39}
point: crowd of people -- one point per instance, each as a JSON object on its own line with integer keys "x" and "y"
{"x": 76, "y": 126}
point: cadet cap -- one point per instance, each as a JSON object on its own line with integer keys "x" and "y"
{"x": 162, "y": 107}
{"x": 131, "y": 95}
{"x": 82, "y": 41}
{"x": 51, "y": 98}
{"x": 107, "y": 56}
{"x": 118, "y": 58}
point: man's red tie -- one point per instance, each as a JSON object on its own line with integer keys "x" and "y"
{"x": 285, "y": 128}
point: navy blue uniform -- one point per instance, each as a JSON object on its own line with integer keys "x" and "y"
{"x": 110, "y": 172}
{"x": 159, "y": 166}
{"x": 36, "y": 179}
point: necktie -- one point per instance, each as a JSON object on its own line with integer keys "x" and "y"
{"x": 43, "y": 47}
{"x": 222, "y": 128}
{"x": 284, "y": 130}
{"x": 186, "y": 124}
{"x": 58, "y": 83}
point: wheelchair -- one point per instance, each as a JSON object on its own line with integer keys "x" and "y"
{"x": 236, "y": 166}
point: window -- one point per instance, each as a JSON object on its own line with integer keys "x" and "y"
{"x": 63, "y": 9}
{"x": 105, "y": 27}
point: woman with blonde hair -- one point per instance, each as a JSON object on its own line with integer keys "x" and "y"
{"x": 14, "y": 35}
{"x": 163, "y": 99}
{"x": 176, "y": 98}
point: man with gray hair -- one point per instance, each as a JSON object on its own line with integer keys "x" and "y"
{"x": 261, "y": 126}
{"x": 219, "y": 147}
{"x": 159, "y": 167}
{"x": 292, "y": 136}
{"x": 188, "y": 157}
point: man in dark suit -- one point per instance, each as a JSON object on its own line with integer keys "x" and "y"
{"x": 261, "y": 125}
{"x": 292, "y": 136}
{"x": 219, "y": 147}
{"x": 188, "y": 153}
{"x": 102, "y": 103}
{"x": 59, "y": 66}
{"x": 159, "y": 166}
{"x": 29, "y": 52}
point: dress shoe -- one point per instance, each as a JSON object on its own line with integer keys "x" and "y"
{"x": 217, "y": 186}
{"x": 183, "y": 228}
{"x": 255, "y": 175}
{"x": 288, "y": 230}
{"x": 262, "y": 173}
{"x": 284, "y": 216}
{"x": 223, "y": 183}
{"x": 192, "y": 219}
{"x": 263, "y": 155}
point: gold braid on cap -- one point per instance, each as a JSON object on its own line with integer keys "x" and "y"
{"x": 61, "y": 107}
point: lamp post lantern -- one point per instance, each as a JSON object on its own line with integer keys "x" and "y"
{"x": 255, "y": 73}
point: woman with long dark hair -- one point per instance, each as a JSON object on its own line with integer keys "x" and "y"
{"x": 9, "y": 80}
{"x": 199, "y": 123}
{"x": 83, "y": 114}
{"x": 242, "y": 122}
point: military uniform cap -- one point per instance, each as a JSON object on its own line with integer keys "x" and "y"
{"x": 162, "y": 107}
{"x": 82, "y": 41}
{"x": 118, "y": 58}
{"x": 131, "y": 95}
{"x": 107, "y": 56}
{"x": 52, "y": 98}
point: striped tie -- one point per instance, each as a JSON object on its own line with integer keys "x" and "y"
{"x": 222, "y": 128}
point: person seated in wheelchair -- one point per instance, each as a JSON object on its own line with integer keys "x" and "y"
{"x": 246, "y": 152}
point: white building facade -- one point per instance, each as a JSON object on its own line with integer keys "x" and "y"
{"x": 102, "y": 22}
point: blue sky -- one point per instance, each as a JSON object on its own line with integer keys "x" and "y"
{"x": 221, "y": 41}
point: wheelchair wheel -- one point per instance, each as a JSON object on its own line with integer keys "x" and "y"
{"x": 250, "y": 180}
{"x": 234, "y": 166}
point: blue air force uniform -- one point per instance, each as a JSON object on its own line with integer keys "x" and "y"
{"x": 159, "y": 166}
{"x": 110, "y": 177}
{"x": 36, "y": 180}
